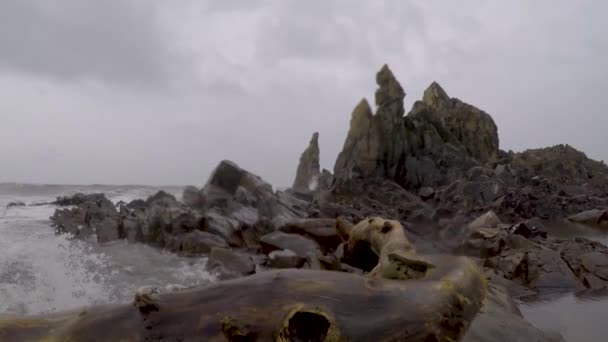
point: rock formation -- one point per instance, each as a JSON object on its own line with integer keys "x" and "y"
{"x": 405, "y": 189}
{"x": 375, "y": 145}
{"x": 309, "y": 169}
{"x": 438, "y": 140}
{"x": 472, "y": 127}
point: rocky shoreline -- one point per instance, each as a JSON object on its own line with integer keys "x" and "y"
{"x": 409, "y": 197}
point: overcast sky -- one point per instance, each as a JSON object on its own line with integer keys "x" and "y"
{"x": 158, "y": 92}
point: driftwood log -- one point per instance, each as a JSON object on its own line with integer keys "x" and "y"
{"x": 285, "y": 305}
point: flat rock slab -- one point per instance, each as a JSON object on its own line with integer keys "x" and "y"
{"x": 294, "y": 242}
{"x": 285, "y": 305}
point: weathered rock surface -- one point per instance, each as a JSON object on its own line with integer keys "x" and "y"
{"x": 473, "y": 128}
{"x": 323, "y": 231}
{"x": 309, "y": 170}
{"x": 230, "y": 264}
{"x": 565, "y": 165}
{"x": 192, "y": 197}
{"x": 285, "y": 259}
{"x": 94, "y": 214}
{"x": 300, "y": 245}
{"x": 78, "y": 199}
{"x": 286, "y": 305}
{"x": 500, "y": 320}
{"x": 593, "y": 217}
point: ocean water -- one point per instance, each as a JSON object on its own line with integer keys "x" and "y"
{"x": 42, "y": 272}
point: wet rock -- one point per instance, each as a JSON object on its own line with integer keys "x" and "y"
{"x": 527, "y": 231}
{"x": 592, "y": 217}
{"x": 294, "y": 242}
{"x": 196, "y": 242}
{"x": 500, "y": 320}
{"x": 137, "y": 204}
{"x": 192, "y": 197}
{"x": 350, "y": 269}
{"x": 330, "y": 262}
{"x": 426, "y": 193}
{"x": 588, "y": 260}
{"x": 70, "y": 222}
{"x": 326, "y": 180}
{"x": 535, "y": 267}
{"x": 285, "y": 259}
{"x": 323, "y": 231}
{"x": 286, "y": 305}
{"x": 224, "y": 227}
{"x": 313, "y": 262}
{"x": 95, "y": 213}
{"x": 308, "y": 172}
{"x": 229, "y": 264}
{"x": 132, "y": 229}
{"x": 185, "y": 222}
{"x": 162, "y": 199}
{"x": 489, "y": 219}
{"x": 107, "y": 229}
{"x": 485, "y": 242}
{"x": 15, "y": 204}
{"x": 80, "y": 198}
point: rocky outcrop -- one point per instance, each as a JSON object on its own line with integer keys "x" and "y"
{"x": 78, "y": 199}
{"x": 94, "y": 214}
{"x": 362, "y": 151}
{"x": 564, "y": 165}
{"x": 309, "y": 169}
{"x": 439, "y": 140}
{"x": 472, "y": 127}
{"x": 15, "y": 204}
{"x": 375, "y": 142}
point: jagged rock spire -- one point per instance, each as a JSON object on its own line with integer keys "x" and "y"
{"x": 435, "y": 96}
{"x": 375, "y": 144}
{"x": 309, "y": 169}
{"x": 361, "y": 148}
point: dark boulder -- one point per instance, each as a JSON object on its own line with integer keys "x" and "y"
{"x": 15, "y": 204}
{"x": 591, "y": 217}
{"x": 588, "y": 260}
{"x": 294, "y": 242}
{"x": 323, "y": 231}
{"x": 500, "y": 320}
{"x": 195, "y": 243}
{"x": 79, "y": 198}
{"x": 285, "y": 259}
{"x": 229, "y": 264}
{"x": 192, "y": 197}
{"x": 162, "y": 199}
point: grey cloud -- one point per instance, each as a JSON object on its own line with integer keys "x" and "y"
{"x": 118, "y": 41}
{"x": 262, "y": 76}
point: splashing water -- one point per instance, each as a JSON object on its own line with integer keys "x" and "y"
{"x": 41, "y": 272}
